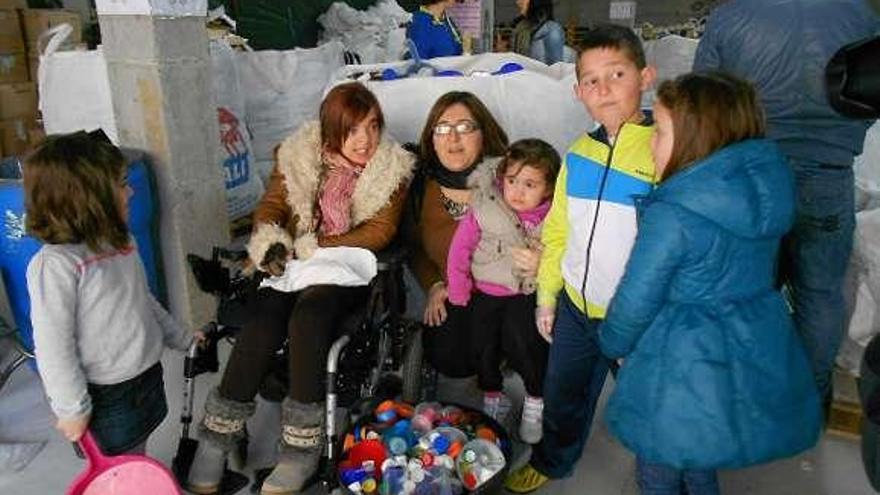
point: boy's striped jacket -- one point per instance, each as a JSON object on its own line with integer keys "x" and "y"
{"x": 592, "y": 222}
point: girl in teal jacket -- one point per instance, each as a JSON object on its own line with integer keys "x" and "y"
{"x": 713, "y": 373}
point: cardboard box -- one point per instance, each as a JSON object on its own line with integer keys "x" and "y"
{"x": 18, "y": 100}
{"x": 10, "y": 32}
{"x": 38, "y": 21}
{"x": 14, "y": 135}
{"x": 13, "y": 67}
{"x": 13, "y": 4}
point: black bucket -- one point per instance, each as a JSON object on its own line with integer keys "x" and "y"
{"x": 494, "y": 485}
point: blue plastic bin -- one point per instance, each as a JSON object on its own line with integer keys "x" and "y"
{"x": 17, "y": 248}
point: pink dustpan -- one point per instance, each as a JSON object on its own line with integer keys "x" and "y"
{"x": 120, "y": 475}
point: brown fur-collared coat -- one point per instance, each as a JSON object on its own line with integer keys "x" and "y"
{"x": 286, "y": 211}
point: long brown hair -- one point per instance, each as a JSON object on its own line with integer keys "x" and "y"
{"x": 709, "y": 111}
{"x": 71, "y": 185}
{"x": 343, "y": 108}
{"x": 494, "y": 137}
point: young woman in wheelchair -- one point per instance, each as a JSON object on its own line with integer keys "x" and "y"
{"x": 336, "y": 182}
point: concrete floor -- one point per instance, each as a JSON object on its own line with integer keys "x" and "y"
{"x": 832, "y": 468}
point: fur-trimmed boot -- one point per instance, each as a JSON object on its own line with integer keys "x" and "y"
{"x": 300, "y": 448}
{"x": 220, "y": 431}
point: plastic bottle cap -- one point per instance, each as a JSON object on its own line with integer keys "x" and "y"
{"x": 427, "y": 459}
{"x": 369, "y": 485}
{"x": 397, "y": 446}
{"x": 386, "y": 416}
{"x": 414, "y": 464}
{"x": 455, "y": 449}
{"x": 440, "y": 444}
{"x": 418, "y": 475}
{"x": 444, "y": 461}
{"x": 470, "y": 481}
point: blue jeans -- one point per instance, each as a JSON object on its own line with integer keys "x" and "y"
{"x": 815, "y": 258}
{"x": 576, "y": 371}
{"x": 656, "y": 479}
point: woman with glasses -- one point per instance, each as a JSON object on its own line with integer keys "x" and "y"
{"x": 459, "y": 134}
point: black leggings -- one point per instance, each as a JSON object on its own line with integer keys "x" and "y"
{"x": 504, "y": 328}
{"x": 310, "y": 320}
{"x": 445, "y": 346}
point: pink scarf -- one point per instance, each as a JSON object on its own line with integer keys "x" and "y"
{"x": 335, "y": 196}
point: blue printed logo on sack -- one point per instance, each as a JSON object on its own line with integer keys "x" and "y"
{"x": 237, "y": 164}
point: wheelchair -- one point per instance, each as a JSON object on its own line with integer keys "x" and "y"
{"x": 378, "y": 356}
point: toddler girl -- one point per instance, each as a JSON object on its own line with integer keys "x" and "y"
{"x": 494, "y": 254}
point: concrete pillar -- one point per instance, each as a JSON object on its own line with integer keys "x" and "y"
{"x": 160, "y": 78}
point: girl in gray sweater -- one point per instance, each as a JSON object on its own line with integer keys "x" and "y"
{"x": 98, "y": 332}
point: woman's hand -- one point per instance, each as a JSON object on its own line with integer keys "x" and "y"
{"x": 526, "y": 261}
{"x": 275, "y": 260}
{"x": 544, "y": 317}
{"x": 435, "y": 309}
{"x": 73, "y": 428}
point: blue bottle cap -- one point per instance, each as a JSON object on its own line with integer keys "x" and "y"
{"x": 389, "y": 74}
{"x": 440, "y": 444}
{"x": 397, "y": 446}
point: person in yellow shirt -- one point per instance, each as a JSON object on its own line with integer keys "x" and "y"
{"x": 587, "y": 238}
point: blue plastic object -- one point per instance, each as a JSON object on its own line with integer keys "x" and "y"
{"x": 17, "y": 248}
{"x": 449, "y": 73}
{"x": 389, "y": 74}
{"x": 508, "y": 68}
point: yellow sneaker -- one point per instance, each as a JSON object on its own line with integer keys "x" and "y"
{"x": 525, "y": 480}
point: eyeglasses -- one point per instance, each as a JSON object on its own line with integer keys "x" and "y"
{"x": 460, "y": 127}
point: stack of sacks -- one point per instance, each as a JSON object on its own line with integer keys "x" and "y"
{"x": 375, "y": 35}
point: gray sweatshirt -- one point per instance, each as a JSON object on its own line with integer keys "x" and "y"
{"x": 94, "y": 321}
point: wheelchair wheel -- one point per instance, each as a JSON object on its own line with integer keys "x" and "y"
{"x": 412, "y": 368}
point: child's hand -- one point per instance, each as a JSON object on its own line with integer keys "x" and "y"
{"x": 435, "y": 309}
{"x": 544, "y": 317}
{"x": 526, "y": 261}
{"x": 73, "y": 428}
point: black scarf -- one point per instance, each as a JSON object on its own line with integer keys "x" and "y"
{"x": 448, "y": 178}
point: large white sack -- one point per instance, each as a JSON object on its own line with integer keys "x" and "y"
{"x": 536, "y": 102}
{"x": 375, "y": 34}
{"x": 282, "y": 90}
{"x": 74, "y": 88}
{"x": 867, "y": 171}
{"x": 863, "y": 290}
{"x": 863, "y": 278}
{"x": 75, "y": 94}
{"x": 244, "y": 188}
